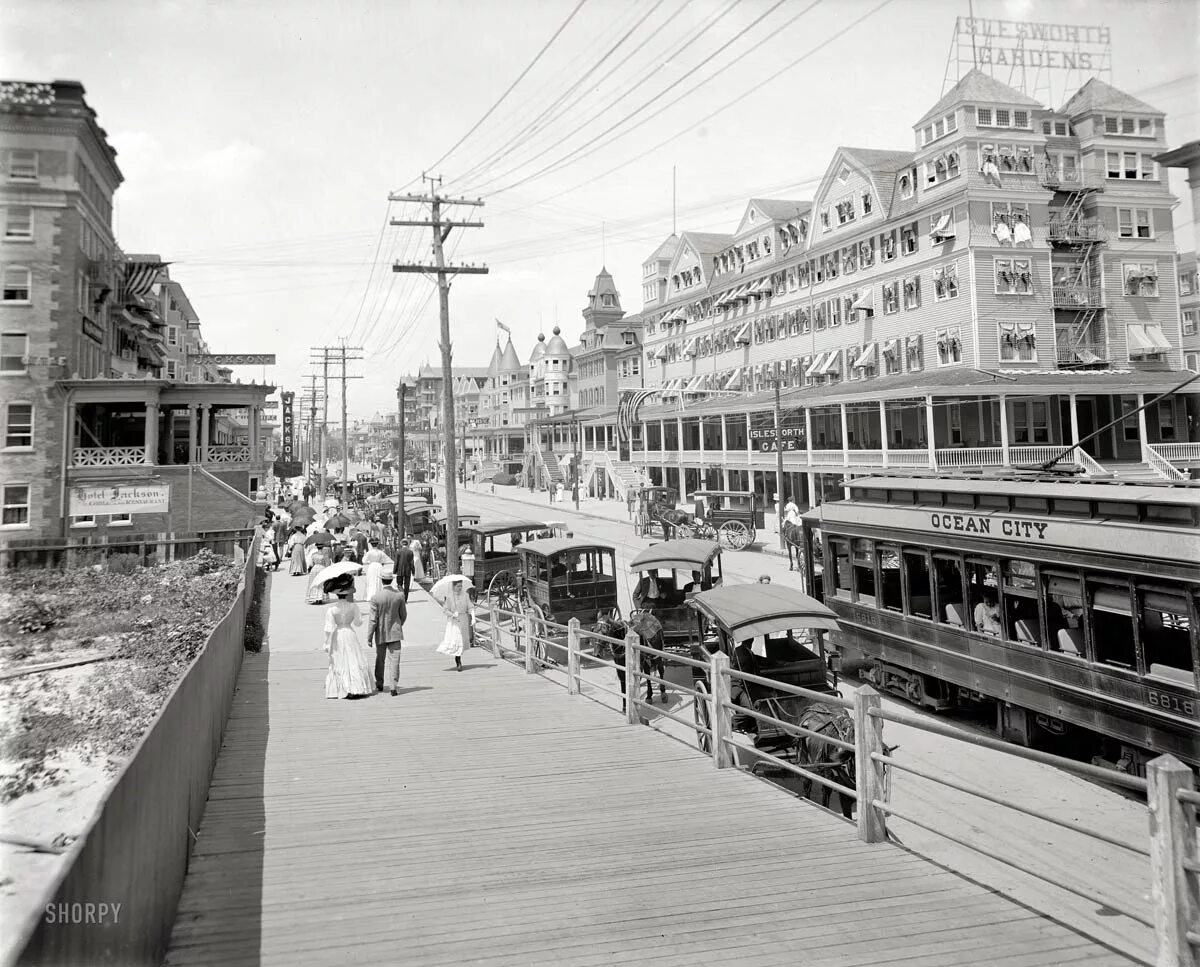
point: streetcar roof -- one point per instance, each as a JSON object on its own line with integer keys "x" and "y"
{"x": 491, "y": 527}
{"x": 689, "y": 554}
{"x": 441, "y": 517}
{"x": 552, "y": 546}
{"x": 1072, "y": 488}
{"x": 749, "y": 610}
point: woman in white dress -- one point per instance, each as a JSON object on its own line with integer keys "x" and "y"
{"x": 457, "y": 608}
{"x": 351, "y": 673}
{"x": 373, "y": 561}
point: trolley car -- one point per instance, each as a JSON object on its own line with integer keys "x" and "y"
{"x": 1071, "y": 606}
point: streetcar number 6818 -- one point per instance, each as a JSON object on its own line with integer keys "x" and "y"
{"x": 1172, "y": 703}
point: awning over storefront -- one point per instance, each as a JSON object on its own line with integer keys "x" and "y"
{"x": 1146, "y": 339}
{"x": 693, "y": 384}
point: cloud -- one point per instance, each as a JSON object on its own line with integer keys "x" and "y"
{"x": 146, "y": 163}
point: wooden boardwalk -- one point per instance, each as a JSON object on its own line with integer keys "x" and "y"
{"x": 486, "y": 817}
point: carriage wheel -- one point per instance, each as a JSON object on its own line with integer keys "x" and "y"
{"x": 703, "y": 719}
{"x": 502, "y": 589}
{"x": 705, "y": 531}
{"x": 735, "y": 535}
{"x": 684, "y": 531}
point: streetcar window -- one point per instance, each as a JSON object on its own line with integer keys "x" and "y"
{"x": 1069, "y": 507}
{"x": 874, "y": 494}
{"x": 1021, "y": 620}
{"x": 535, "y": 568}
{"x": 1031, "y": 505}
{"x": 1116, "y": 510}
{"x": 948, "y": 575}
{"x": 983, "y": 589}
{"x": 920, "y": 591}
{"x": 993, "y": 501}
{"x": 890, "y": 592}
{"x": 1112, "y": 625}
{"x": 903, "y": 497}
{"x": 1064, "y": 614}
{"x": 840, "y": 553}
{"x": 864, "y": 570}
{"x": 956, "y": 499}
{"x": 1168, "y": 514}
{"x": 1165, "y": 630}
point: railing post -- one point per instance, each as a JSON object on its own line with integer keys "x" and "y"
{"x": 527, "y": 628}
{"x": 868, "y": 774}
{"x": 495, "y": 619}
{"x": 720, "y": 715}
{"x": 631, "y": 680}
{"x": 1174, "y": 890}
{"x": 573, "y": 656}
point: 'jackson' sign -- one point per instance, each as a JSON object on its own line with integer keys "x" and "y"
{"x": 289, "y": 428}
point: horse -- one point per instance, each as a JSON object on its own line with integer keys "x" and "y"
{"x": 611, "y": 625}
{"x": 793, "y": 539}
{"x": 826, "y": 760}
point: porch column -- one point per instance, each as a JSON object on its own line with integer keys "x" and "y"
{"x": 812, "y": 489}
{"x": 930, "y": 442}
{"x": 724, "y": 448}
{"x": 808, "y": 437}
{"x": 205, "y": 417}
{"x": 749, "y": 454}
{"x": 252, "y": 431}
{"x": 700, "y": 427}
{"x": 1074, "y": 420}
{"x": 645, "y": 445}
{"x": 883, "y": 431}
{"x": 1142, "y": 437}
{"x": 151, "y": 438}
{"x": 1004, "y": 456}
{"x": 725, "y": 479}
{"x": 192, "y": 455}
{"x": 845, "y": 435}
{"x": 679, "y": 455}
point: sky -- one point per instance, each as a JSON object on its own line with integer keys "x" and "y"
{"x": 260, "y": 140}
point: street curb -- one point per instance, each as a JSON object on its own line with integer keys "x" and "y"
{"x": 773, "y": 551}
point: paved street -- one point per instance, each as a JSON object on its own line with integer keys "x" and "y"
{"x": 1048, "y": 849}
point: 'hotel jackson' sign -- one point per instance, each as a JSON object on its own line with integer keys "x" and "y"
{"x": 131, "y": 499}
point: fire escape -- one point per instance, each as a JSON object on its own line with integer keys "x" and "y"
{"x": 1080, "y": 333}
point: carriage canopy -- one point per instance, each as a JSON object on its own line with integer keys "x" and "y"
{"x": 680, "y": 555}
{"x": 750, "y": 610}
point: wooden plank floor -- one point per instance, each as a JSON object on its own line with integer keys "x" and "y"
{"x": 486, "y": 817}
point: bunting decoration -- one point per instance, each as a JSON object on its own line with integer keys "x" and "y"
{"x": 627, "y": 409}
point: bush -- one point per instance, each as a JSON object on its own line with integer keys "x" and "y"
{"x": 124, "y": 563}
{"x": 31, "y": 615}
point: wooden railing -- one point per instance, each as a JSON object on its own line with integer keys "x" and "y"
{"x": 1077, "y": 296}
{"x": 1161, "y": 465}
{"x": 108, "y": 457}
{"x": 226, "y": 454}
{"x": 1075, "y": 230}
{"x": 540, "y": 645}
{"x": 1183, "y": 452}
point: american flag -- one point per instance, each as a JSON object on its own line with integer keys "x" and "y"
{"x": 140, "y": 276}
{"x": 627, "y": 409}
{"x": 500, "y": 325}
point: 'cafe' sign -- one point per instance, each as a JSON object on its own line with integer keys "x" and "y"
{"x": 770, "y": 440}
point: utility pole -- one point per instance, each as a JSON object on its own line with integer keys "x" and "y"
{"x": 578, "y": 460}
{"x": 441, "y": 231}
{"x": 313, "y": 445}
{"x": 403, "y": 519}
{"x": 778, "y": 469}
{"x": 324, "y": 421}
{"x": 337, "y": 354}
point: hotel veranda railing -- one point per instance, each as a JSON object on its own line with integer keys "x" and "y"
{"x": 108, "y": 457}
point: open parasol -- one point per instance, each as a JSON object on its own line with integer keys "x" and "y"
{"x": 441, "y": 590}
{"x": 320, "y": 537}
{"x": 336, "y": 571}
{"x": 338, "y": 522}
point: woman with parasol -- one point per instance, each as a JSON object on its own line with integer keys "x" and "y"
{"x": 451, "y": 593}
{"x": 295, "y": 551}
{"x": 351, "y": 673}
{"x": 320, "y": 560}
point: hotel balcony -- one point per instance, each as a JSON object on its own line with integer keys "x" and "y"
{"x": 1058, "y": 178}
{"x": 1076, "y": 231}
{"x": 1078, "y": 297}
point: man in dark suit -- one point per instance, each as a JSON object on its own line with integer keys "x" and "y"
{"x": 385, "y": 630}
{"x": 404, "y": 568}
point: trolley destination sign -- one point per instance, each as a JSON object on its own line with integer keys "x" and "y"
{"x": 977, "y": 524}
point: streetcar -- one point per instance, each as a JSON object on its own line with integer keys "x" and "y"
{"x": 1070, "y": 606}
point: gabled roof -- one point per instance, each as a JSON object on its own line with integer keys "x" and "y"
{"x": 707, "y": 243}
{"x": 880, "y": 167}
{"x": 666, "y": 250}
{"x": 977, "y": 87}
{"x": 1095, "y": 95}
{"x": 780, "y": 209}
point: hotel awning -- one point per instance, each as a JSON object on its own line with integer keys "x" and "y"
{"x": 944, "y": 227}
{"x": 867, "y": 359}
{"x": 693, "y": 384}
{"x": 814, "y": 364}
{"x": 734, "y": 378}
{"x": 662, "y": 353}
{"x": 891, "y": 347}
{"x": 1146, "y": 339}
{"x": 743, "y": 334}
{"x": 831, "y": 364}
{"x": 864, "y": 299}
{"x": 689, "y": 347}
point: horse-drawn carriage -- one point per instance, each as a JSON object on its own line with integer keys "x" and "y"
{"x": 494, "y": 545}
{"x": 691, "y": 566}
{"x": 656, "y": 512}
{"x": 730, "y": 516}
{"x": 418, "y": 492}
{"x": 773, "y": 632}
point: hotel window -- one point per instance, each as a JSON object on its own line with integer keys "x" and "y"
{"x": 1130, "y": 127}
{"x": 866, "y": 252}
{"x": 122, "y": 520}
{"x": 835, "y": 312}
{"x": 892, "y": 364}
{"x": 849, "y": 259}
{"x": 1129, "y": 425}
{"x": 1013, "y": 277}
{"x": 945, "y": 282}
{"x": 1018, "y": 342}
{"x": 15, "y": 511}
{"x": 891, "y": 298}
{"x": 1189, "y": 321}
{"x": 173, "y": 335}
{"x": 171, "y": 369}
{"x": 984, "y": 117}
{"x": 825, "y": 226}
{"x": 1011, "y": 224}
{"x": 1166, "y": 419}
{"x": 908, "y": 239}
{"x": 1130, "y": 166}
{"x": 866, "y": 203}
{"x": 83, "y": 520}
{"x": 831, "y": 266}
{"x": 949, "y": 343}
{"x": 805, "y": 320}
{"x": 1031, "y": 423}
{"x": 1002, "y": 117}
{"x": 18, "y": 223}
{"x": 887, "y": 246}
{"x": 906, "y": 185}
{"x": 819, "y": 316}
{"x": 1141, "y": 279}
{"x": 912, "y": 292}
{"x": 18, "y": 425}
{"x": 845, "y": 211}
{"x": 22, "y": 165}
{"x": 1134, "y": 223}
{"x": 1187, "y": 283}
{"x": 17, "y": 283}
{"x": 14, "y": 347}
{"x": 914, "y": 356}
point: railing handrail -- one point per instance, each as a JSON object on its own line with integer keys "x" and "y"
{"x": 1161, "y": 465}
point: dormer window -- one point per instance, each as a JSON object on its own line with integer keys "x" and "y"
{"x": 844, "y": 174}
{"x": 906, "y": 188}
{"x": 825, "y": 226}
{"x": 866, "y": 202}
{"x": 1129, "y": 127}
{"x": 606, "y": 301}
